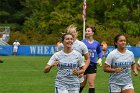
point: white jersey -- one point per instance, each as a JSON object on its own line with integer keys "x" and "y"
{"x": 15, "y": 48}
{"x": 125, "y": 60}
{"x": 16, "y": 44}
{"x": 77, "y": 45}
{"x": 68, "y": 62}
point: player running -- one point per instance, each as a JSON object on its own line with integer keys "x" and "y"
{"x": 93, "y": 49}
{"x": 119, "y": 63}
{"x": 77, "y": 45}
{"x": 70, "y": 64}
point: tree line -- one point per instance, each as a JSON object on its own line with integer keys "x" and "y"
{"x": 43, "y": 21}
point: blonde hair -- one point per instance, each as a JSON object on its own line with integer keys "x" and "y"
{"x": 72, "y": 26}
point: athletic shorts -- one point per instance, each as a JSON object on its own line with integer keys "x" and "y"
{"x": 15, "y": 49}
{"x": 91, "y": 69}
{"x": 120, "y": 88}
{"x": 65, "y": 91}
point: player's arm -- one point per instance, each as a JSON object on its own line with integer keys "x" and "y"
{"x": 138, "y": 67}
{"x": 47, "y": 69}
{"x": 87, "y": 60}
{"x": 48, "y": 66}
{"x": 99, "y": 52}
{"x": 51, "y": 63}
{"x": 107, "y": 65}
{"x": 80, "y": 71}
{"x": 134, "y": 68}
{"x": 107, "y": 68}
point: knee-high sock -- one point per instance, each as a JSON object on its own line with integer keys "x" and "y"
{"x": 91, "y": 90}
{"x": 81, "y": 88}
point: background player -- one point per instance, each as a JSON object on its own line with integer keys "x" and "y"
{"x": 93, "y": 49}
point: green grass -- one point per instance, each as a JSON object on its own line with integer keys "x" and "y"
{"x": 24, "y": 74}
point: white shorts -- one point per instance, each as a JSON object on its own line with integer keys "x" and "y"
{"x": 15, "y": 49}
{"x": 65, "y": 91}
{"x": 119, "y": 88}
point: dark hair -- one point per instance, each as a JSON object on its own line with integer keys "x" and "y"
{"x": 92, "y": 28}
{"x": 116, "y": 39}
{"x": 63, "y": 36}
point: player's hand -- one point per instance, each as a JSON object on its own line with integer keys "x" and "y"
{"x": 75, "y": 72}
{"x": 81, "y": 75}
{"x": 55, "y": 63}
{"x": 118, "y": 69}
{"x": 99, "y": 62}
{"x": 135, "y": 72}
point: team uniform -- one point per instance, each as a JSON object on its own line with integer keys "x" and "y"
{"x": 120, "y": 81}
{"x": 93, "y": 49}
{"x": 65, "y": 81}
{"x": 15, "y": 48}
{"x": 78, "y": 46}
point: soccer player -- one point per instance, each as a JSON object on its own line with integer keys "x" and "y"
{"x": 93, "y": 49}
{"x": 119, "y": 63}
{"x": 70, "y": 64}
{"x": 78, "y": 46}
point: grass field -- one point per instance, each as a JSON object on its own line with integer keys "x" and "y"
{"x": 24, "y": 74}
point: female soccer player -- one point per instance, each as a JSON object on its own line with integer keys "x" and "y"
{"x": 70, "y": 64}
{"x": 93, "y": 49}
{"x": 119, "y": 63}
{"x": 77, "y": 45}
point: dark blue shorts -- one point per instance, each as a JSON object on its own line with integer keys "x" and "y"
{"x": 91, "y": 69}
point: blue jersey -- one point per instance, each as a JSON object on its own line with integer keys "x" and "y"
{"x": 93, "y": 49}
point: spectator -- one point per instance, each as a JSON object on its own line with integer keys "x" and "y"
{"x": 128, "y": 45}
{"x": 104, "y": 47}
{"x": 15, "y": 47}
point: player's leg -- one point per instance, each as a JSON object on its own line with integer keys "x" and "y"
{"x": 83, "y": 84}
{"x": 128, "y": 89}
{"x": 91, "y": 75}
{"x": 91, "y": 79}
{"x": 60, "y": 90}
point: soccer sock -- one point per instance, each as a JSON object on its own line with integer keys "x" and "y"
{"x": 91, "y": 90}
{"x": 81, "y": 88}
